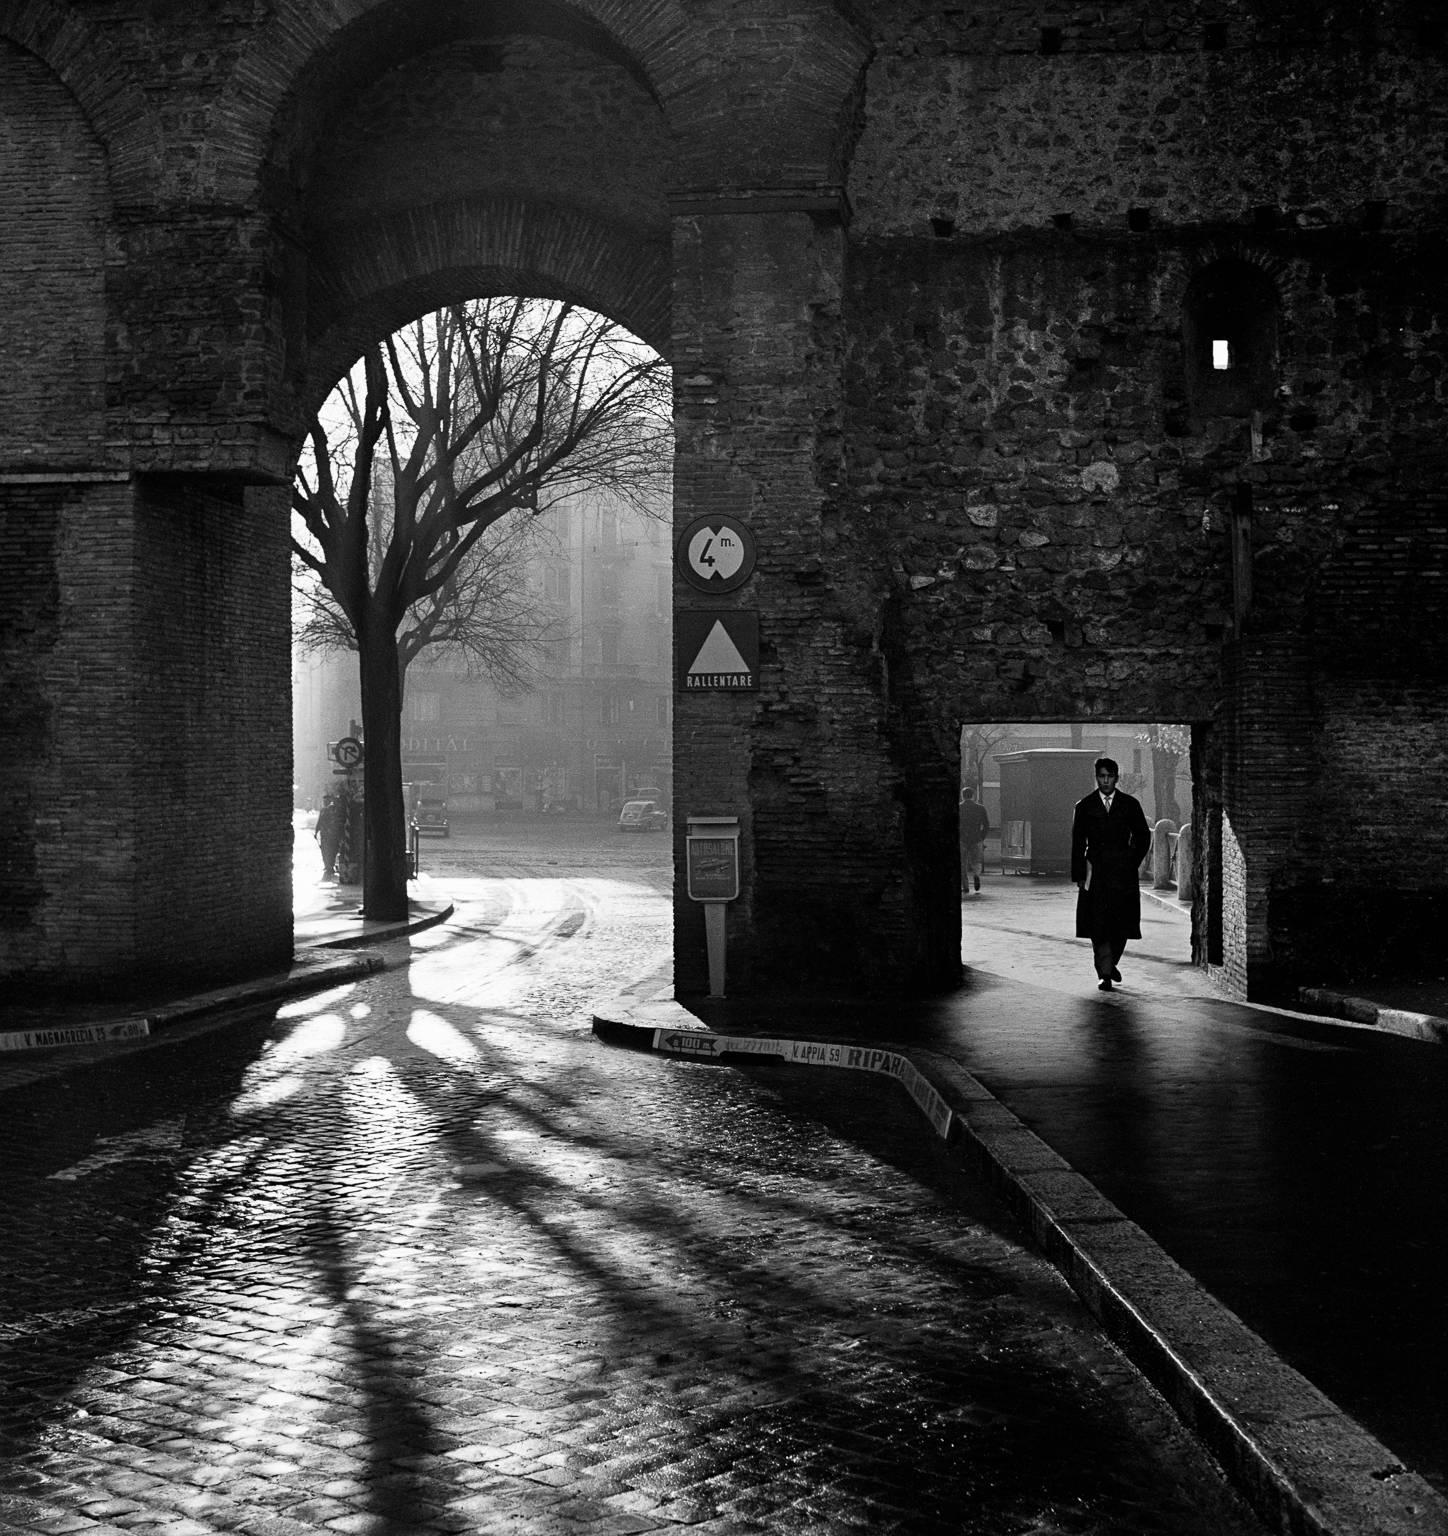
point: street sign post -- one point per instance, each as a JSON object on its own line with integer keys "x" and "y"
{"x": 712, "y": 865}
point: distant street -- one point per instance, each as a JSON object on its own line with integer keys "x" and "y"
{"x": 420, "y": 1254}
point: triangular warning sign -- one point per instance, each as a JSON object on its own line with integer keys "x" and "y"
{"x": 716, "y": 649}
{"x": 718, "y": 654}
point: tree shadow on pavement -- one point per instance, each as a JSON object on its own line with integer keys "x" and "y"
{"x": 446, "y": 1266}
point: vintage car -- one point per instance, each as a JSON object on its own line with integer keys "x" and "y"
{"x": 642, "y": 816}
{"x": 431, "y": 817}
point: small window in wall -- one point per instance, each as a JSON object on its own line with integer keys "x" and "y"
{"x": 1229, "y": 337}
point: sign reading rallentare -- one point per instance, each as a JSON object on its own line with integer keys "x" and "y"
{"x": 716, "y": 649}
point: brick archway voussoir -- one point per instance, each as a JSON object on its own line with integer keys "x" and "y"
{"x": 368, "y": 279}
{"x": 118, "y": 111}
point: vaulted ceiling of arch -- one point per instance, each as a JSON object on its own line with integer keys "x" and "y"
{"x": 534, "y": 162}
{"x": 419, "y": 128}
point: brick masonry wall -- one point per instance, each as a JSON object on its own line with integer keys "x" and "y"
{"x": 30, "y": 630}
{"x": 146, "y": 832}
{"x": 52, "y": 272}
{"x": 213, "y": 728}
{"x": 69, "y": 912}
{"x": 805, "y": 762}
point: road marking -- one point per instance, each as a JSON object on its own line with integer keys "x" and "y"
{"x": 157, "y": 1140}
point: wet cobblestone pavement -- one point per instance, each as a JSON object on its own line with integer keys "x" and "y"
{"x": 418, "y": 1255}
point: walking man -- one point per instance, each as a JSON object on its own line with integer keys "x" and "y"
{"x": 1109, "y": 839}
{"x": 329, "y": 834}
{"x": 974, "y": 824}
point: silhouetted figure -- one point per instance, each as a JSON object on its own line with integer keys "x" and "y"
{"x": 329, "y": 833}
{"x": 1109, "y": 839}
{"x": 974, "y": 824}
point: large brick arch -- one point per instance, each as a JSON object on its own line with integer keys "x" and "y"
{"x": 391, "y": 271}
{"x": 736, "y": 80}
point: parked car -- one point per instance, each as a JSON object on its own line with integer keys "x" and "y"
{"x": 431, "y": 817}
{"x": 642, "y": 816}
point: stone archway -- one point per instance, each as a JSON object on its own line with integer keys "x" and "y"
{"x": 305, "y": 181}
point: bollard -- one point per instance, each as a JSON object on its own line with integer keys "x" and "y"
{"x": 1161, "y": 853}
{"x": 1185, "y": 891}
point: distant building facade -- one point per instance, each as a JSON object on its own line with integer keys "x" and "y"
{"x": 594, "y": 729}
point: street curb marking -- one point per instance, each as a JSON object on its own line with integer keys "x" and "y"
{"x": 814, "y": 1053}
{"x": 74, "y": 1034}
{"x": 425, "y": 918}
{"x": 1304, "y": 1464}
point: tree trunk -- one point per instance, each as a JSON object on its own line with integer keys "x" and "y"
{"x": 384, "y": 875}
{"x": 1163, "y": 783}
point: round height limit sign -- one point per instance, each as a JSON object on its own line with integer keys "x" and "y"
{"x": 716, "y": 554}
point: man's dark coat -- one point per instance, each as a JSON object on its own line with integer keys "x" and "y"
{"x": 1113, "y": 847}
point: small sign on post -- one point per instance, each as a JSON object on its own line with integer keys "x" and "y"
{"x": 712, "y": 865}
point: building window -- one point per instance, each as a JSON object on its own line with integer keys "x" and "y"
{"x": 556, "y": 587}
{"x": 608, "y": 645}
{"x": 424, "y": 708}
{"x": 608, "y": 585}
{"x": 661, "y": 710}
{"x": 608, "y": 710}
{"x": 1229, "y": 339}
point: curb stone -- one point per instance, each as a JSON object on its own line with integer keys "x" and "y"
{"x": 1304, "y": 1465}
{"x": 1362, "y": 1010}
{"x": 312, "y": 970}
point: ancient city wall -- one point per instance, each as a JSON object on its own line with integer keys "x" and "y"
{"x": 1054, "y": 484}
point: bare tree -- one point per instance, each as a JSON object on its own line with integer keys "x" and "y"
{"x": 977, "y": 742}
{"x": 1168, "y": 743}
{"x": 472, "y": 414}
{"x": 484, "y": 621}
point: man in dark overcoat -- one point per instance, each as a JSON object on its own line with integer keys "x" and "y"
{"x": 1109, "y": 839}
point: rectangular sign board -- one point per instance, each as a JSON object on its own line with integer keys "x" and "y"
{"x": 713, "y": 865}
{"x": 716, "y": 649}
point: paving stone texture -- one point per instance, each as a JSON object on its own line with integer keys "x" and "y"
{"x": 407, "y": 1257}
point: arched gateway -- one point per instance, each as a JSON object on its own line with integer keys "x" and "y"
{"x": 942, "y": 290}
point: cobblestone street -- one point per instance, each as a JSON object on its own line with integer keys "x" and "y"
{"x": 420, "y": 1255}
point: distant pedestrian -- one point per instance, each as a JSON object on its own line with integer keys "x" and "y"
{"x": 974, "y": 824}
{"x": 1109, "y": 839}
{"x": 329, "y": 833}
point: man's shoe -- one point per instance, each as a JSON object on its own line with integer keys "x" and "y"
{"x": 1115, "y": 974}
{"x": 1104, "y": 985}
